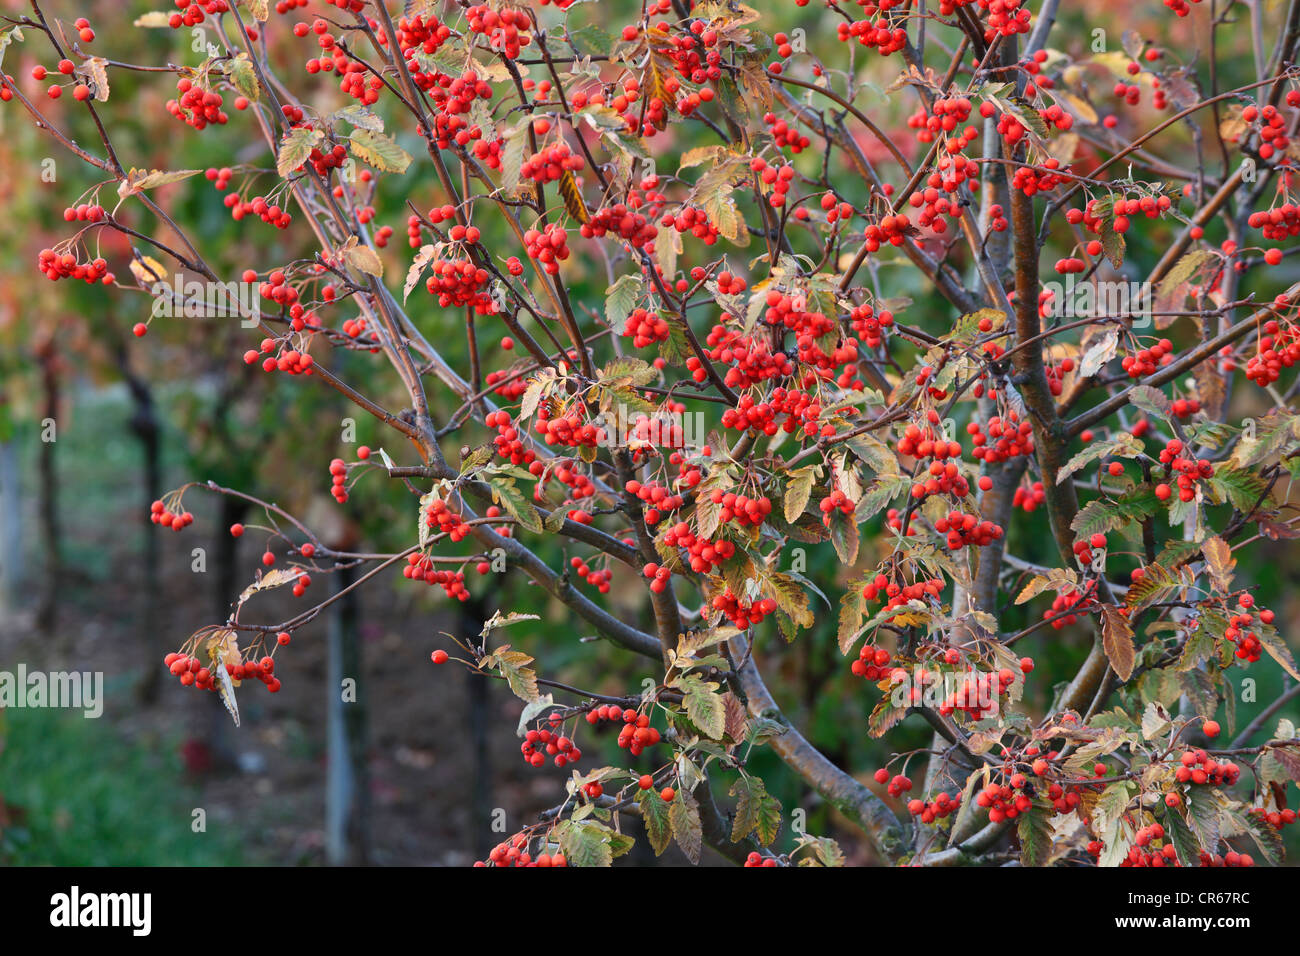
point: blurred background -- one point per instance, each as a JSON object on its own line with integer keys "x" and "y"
{"x": 87, "y": 583}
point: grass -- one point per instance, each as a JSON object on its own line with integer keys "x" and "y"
{"x": 86, "y": 796}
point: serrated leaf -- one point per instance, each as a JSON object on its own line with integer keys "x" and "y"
{"x": 572, "y": 196}
{"x": 364, "y": 259}
{"x": 138, "y": 180}
{"x": 620, "y": 300}
{"x": 684, "y": 817}
{"x": 797, "y": 491}
{"x": 705, "y": 707}
{"x": 1220, "y": 562}
{"x": 379, "y": 151}
{"x": 244, "y": 77}
{"x": 584, "y": 844}
{"x": 1035, "y": 833}
{"x": 295, "y": 148}
{"x": 1117, "y": 641}
{"x": 507, "y": 493}
{"x": 418, "y": 265}
{"x": 654, "y": 815}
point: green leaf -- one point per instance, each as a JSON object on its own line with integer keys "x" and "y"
{"x": 1205, "y": 805}
{"x": 379, "y": 151}
{"x": 620, "y": 300}
{"x": 654, "y": 814}
{"x": 295, "y": 148}
{"x": 798, "y": 490}
{"x": 1035, "y": 833}
{"x": 244, "y": 77}
{"x": 585, "y": 844}
{"x": 512, "y": 499}
{"x": 845, "y": 536}
{"x": 705, "y": 707}
{"x": 1122, "y": 446}
{"x": 521, "y": 678}
{"x": 684, "y": 817}
{"x": 1184, "y": 841}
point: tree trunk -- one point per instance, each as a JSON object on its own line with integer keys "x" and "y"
{"x": 47, "y": 609}
{"x": 347, "y": 794}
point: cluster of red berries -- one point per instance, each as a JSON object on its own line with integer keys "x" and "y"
{"x": 550, "y": 247}
{"x": 196, "y": 106}
{"x": 757, "y": 859}
{"x": 880, "y": 33}
{"x": 84, "y": 212}
{"x": 740, "y": 614}
{"x": 458, "y": 282}
{"x": 967, "y": 530}
{"x": 692, "y": 220}
{"x": 1278, "y": 348}
{"x": 597, "y": 579}
{"x": 339, "y": 480}
{"x": 870, "y": 325}
{"x": 439, "y": 516}
{"x": 1008, "y": 800}
{"x": 890, "y": 229}
{"x": 508, "y": 443}
{"x": 936, "y": 809}
{"x": 295, "y": 363}
{"x": 872, "y": 663}
{"x": 945, "y": 115}
{"x": 160, "y": 514}
{"x": 568, "y": 429}
{"x": 896, "y": 594}
{"x": 978, "y": 693}
{"x": 1083, "y": 550}
{"x": 269, "y": 213}
{"x": 753, "y": 356}
{"x": 836, "y": 501}
{"x": 659, "y": 499}
{"x": 1198, "y": 767}
{"x": 631, "y": 226}
{"x": 1029, "y": 498}
{"x": 1249, "y": 647}
{"x": 1279, "y": 223}
{"x": 1146, "y": 361}
{"x": 777, "y": 177}
{"x": 550, "y": 163}
{"x": 66, "y": 266}
{"x": 741, "y": 509}
{"x": 705, "y": 555}
{"x": 191, "y": 671}
{"x": 786, "y": 135}
{"x": 1079, "y": 602}
{"x": 515, "y": 853}
{"x": 646, "y": 328}
{"x": 421, "y": 568}
{"x": 1188, "y": 470}
{"x": 1010, "y": 437}
{"x": 453, "y": 99}
{"x": 836, "y": 210}
{"x": 1180, "y": 7}
{"x": 1006, "y": 17}
{"x": 506, "y": 29}
{"x": 192, "y": 11}
{"x": 540, "y": 744}
{"x": 897, "y": 785}
{"x": 636, "y": 733}
{"x": 1038, "y": 179}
